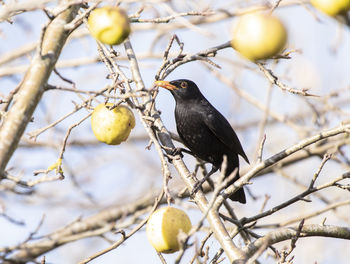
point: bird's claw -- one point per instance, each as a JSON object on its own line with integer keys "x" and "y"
{"x": 200, "y": 182}
{"x": 177, "y": 151}
{"x": 197, "y": 186}
{"x": 172, "y": 152}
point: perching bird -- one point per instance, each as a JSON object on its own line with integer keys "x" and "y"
{"x": 204, "y": 131}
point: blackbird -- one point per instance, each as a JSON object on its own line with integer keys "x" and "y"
{"x": 204, "y": 131}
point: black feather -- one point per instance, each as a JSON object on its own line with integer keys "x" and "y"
{"x": 205, "y": 131}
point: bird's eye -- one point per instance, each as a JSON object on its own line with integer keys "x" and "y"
{"x": 183, "y": 85}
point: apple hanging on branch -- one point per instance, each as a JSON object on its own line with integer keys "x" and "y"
{"x": 164, "y": 226}
{"x": 112, "y": 125}
{"x": 258, "y": 36}
{"x": 110, "y": 25}
{"x": 332, "y": 7}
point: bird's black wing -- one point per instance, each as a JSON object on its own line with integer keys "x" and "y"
{"x": 221, "y": 128}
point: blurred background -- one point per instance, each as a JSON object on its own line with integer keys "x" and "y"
{"x": 99, "y": 176}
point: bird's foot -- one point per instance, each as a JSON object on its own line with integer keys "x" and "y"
{"x": 177, "y": 151}
{"x": 197, "y": 186}
{"x": 172, "y": 152}
{"x": 199, "y": 183}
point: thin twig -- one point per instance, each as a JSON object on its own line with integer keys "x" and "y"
{"x": 126, "y": 236}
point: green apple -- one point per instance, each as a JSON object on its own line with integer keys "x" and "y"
{"x": 110, "y": 25}
{"x": 112, "y": 126}
{"x": 163, "y": 227}
{"x": 332, "y": 7}
{"x": 258, "y": 36}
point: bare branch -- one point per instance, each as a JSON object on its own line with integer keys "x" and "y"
{"x": 343, "y": 128}
{"x": 33, "y": 85}
{"x": 283, "y": 234}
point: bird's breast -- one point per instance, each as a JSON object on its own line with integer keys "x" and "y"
{"x": 198, "y": 137}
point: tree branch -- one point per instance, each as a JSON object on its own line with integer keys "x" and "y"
{"x": 343, "y": 128}
{"x": 33, "y": 84}
{"x": 283, "y": 234}
{"x": 216, "y": 224}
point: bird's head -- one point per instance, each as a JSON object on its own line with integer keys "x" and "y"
{"x": 181, "y": 89}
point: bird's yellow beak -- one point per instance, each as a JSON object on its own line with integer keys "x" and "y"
{"x": 166, "y": 85}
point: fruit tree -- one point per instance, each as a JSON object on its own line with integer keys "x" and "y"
{"x": 93, "y": 168}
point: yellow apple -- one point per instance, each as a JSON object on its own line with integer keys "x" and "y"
{"x": 163, "y": 227}
{"x": 110, "y": 25}
{"x": 258, "y": 36}
{"x": 112, "y": 126}
{"x": 331, "y": 7}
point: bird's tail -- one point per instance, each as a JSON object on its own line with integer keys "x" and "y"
{"x": 239, "y": 195}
